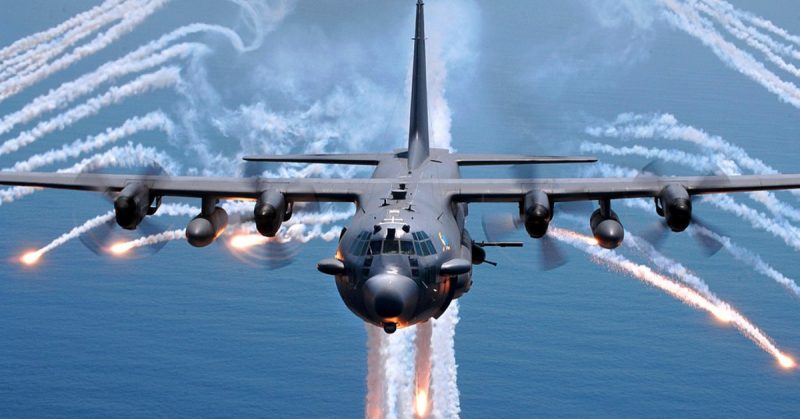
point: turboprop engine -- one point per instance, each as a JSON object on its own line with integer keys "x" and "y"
{"x": 271, "y": 212}
{"x": 537, "y": 211}
{"x": 675, "y": 205}
{"x": 606, "y": 228}
{"x": 205, "y": 228}
{"x": 132, "y": 204}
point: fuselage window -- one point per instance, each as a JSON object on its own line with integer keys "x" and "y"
{"x": 375, "y": 247}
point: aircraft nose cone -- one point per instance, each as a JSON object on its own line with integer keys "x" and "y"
{"x": 391, "y": 296}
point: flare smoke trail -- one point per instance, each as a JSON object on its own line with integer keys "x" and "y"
{"x": 36, "y": 39}
{"x": 422, "y": 375}
{"x": 398, "y": 358}
{"x": 667, "y": 127}
{"x": 444, "y": 382}
{"x": 148, "y": 122}
{"x": 33, "y": 257}
{"x": 147, "y": 56}
{"x": 700, "y": 163}
{"x": 28, "y": 61}
{"x": 614, "y": 261}
{"x": 750, "y": 258}
{"x": 743, "y": 255}
{"x": 752, "y": 37}
{"x": 688, "y": 19}
{"x": 70, "y": 91}
{"x": 767, "y": 25}
{"x": 132, "y": 19}
{"x": 169, "y": 76}
{"x": 778, "y": 228}
{"x": 375, "y": 373}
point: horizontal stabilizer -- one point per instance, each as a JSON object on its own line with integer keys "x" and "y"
{"x": 366, "y": 159}
{"x": 501, "y": 159}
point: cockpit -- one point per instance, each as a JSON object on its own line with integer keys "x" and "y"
{"x": 419, "y": 244}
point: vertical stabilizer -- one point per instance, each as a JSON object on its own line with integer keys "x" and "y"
{"x": 418, "y": 144}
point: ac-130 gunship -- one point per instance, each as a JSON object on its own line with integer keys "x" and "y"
{"x": 406, "y": 254}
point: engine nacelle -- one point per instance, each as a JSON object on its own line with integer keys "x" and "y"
{"x": 537, "y": 213}
{"x": 270, "y": 213}
{"x": 132, "y": 205}
{"x": 676, "y": 207}
{"x": 204, "y": 229}
{"x": 608, "y": 231}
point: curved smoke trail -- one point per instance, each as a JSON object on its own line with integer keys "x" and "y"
{"x": 32, "y": 41}
{"x": 132, "y": 19}
{"x": 28, "y": 61}
{"x": 687, "y": 18}
{"x": 725, "y": 313}
{"x": 165, "y": 77}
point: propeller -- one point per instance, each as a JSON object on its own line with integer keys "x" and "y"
{"x": 657, "y": 233}
{"x": 497, "y": 227}
{"x": 264, "y": 252}
{"x": 104, "y": 239}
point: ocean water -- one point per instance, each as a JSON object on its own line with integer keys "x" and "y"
{"x": 196, "y": 333}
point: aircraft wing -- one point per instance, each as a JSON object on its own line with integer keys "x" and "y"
{"x": 585, "y": 189}
{"x": 312, "y": 189}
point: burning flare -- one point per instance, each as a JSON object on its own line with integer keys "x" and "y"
{"x": 421, "y": 402}
{"x": 31, "y": 258}
{"x": 244, "y": 241}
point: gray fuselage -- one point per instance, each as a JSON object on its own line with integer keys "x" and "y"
{"x": 397, "y": 242}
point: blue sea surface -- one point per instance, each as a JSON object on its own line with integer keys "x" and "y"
{"x": 196, "y": 333}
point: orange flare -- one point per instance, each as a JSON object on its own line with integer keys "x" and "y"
{"x": 786, "y": 361}
{"x": 30, "y": 258}
{"x": 246, "y": 241}
{"x": 119, "y": 249}
{"x": 421, "y": 402}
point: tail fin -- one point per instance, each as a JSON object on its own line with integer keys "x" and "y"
{"x": 418, "y": 144}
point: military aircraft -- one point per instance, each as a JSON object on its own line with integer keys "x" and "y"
{"x": 406, "y": 255}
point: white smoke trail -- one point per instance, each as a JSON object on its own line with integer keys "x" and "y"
{"x": 151, "y": 121}
{"x": 376, "y": 383}
{"x": 751, "y": 36}
{"x": 30, "y": 59}
{"x": 743, "y": 255}
{"x": 131, "y": 20}
{"x": 444, "y": 380}
{"x": 778, "y": 228}
{"x": 750, "y": 258}
{"x": 422, "y": 368}
{"x": 769, "y": 26}
{"x": 165, "y": 77}
{"x": 724, "y": 312}
{"x": 33, "y": 257}
{"x": 398, "y": 355}
{"x": 36, "y": 39}
{"x": 70, "y": 91}
{"x": 126, "y": 156}
{"x": 666, "y": 126}
{"x": 147, "y": 56}
{"x": 716, "y": 162}
{"x": 688, "y": 19}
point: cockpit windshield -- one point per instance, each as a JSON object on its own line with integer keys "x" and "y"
{"x": 421, "y": 245}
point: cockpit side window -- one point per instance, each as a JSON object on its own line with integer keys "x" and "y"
{"x": 361, "y": 244}
{"x": 375, "y": 247}
{"x": 406, "y": 247}
{"x": 422, "y": 244}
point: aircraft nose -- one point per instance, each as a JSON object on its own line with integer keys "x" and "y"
{"x": 391, "y": 296}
